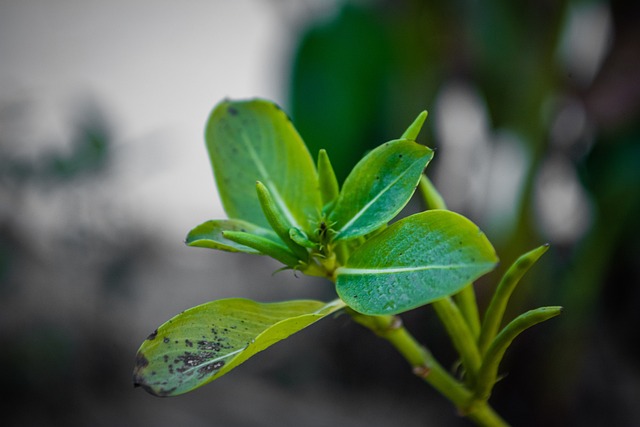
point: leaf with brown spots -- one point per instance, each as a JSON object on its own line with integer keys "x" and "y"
{"x": 207, "y": 341}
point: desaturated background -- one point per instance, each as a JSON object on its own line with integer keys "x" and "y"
{"x": 533, "y": 109}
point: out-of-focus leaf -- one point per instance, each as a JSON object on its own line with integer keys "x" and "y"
{"x": 378, "y": 188}
{"x": 339, "y": 85}
{"x": 207, "y": 341}
{"x": 415, "y": 261}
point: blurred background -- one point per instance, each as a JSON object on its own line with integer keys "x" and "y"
{"x": 534, "y": 110}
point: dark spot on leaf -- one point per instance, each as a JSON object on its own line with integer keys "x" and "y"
{"x": 209, "y": 346}
{"x": 207, "y": 369}
{"x": 152, "y": 335}
{"x": 400, "y": 156}
{"x": 188, "y": 343}
{"x": 191, "y": 360}
{"x": 166, "y": 340}
{"x": 166, "y": 358}
{"x": 160, "y": 392}
{"x": 232, "y": 111}
{"x": 138, "y": 381}
{"x": 141, "y": 361}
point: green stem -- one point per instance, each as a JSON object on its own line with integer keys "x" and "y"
{"x": 427, "y": 367}
{"x": 432, "y": 198}
{"x": 484, "y": 415}
{"x": 460, "y": 334}
{"x": 466, "y": 301}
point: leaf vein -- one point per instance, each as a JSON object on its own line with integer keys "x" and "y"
{"x": 350, "y": 271}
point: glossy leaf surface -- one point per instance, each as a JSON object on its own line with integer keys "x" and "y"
{"x": 210, "y": 235}
{"x": 413, "y": 262}
{"x": 254, "y": 140}
{"x": 378, "y": 188}
{"x": 207, "y": 341}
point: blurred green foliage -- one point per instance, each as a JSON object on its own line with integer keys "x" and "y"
{"x": 360, "y": 75}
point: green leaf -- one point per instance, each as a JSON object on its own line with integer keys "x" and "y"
{"x": 210, "y": 235}
{"x": 263, "y": 246}
{"x": 415, "y": 261}
{"x": 413, "y": 130}
{"x": 301, "y": 238}
{"x": 279, "y": 222}
{"x": 329, "y": 188}
{"x": 498, "y": 305}
{"x": 489, "y": 369}
{"x": 207, "y": 341}
{"x": 379, "y": 186}
{"x": 255, "y": 140}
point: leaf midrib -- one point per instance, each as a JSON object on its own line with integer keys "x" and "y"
{"x": 214, "y": 360}
{"x": 350, "y": 271}
{"x": 268, "y": 182}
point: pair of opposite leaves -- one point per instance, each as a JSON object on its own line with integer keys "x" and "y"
{"x": 413, "y": 262}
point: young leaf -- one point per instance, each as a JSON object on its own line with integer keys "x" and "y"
{"x": 207, "y": 341}
{"x": 329, "y": 188}
{"x": 279, "y": 222}
{"x": 414, "y": 129}
{"x": 263, "y": 246}
{"x": 489, "y": 369}
{"x": 498, "y": 305}
{"x": 210, "y": 235}
{"x": 301, "y": 238}
{"x": 415, "y": 261}
{"x": 379, "y": 186}
{"x": 255, "y": 140}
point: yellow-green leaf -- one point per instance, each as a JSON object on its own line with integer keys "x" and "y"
{"x": 207, "y": 341}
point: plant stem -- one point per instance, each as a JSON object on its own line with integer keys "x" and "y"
{"x": 460, "y": 334}
{"x": 466, "y": 301}
{"x": 432, "y": 198}
{"x": 427, "y": 367}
